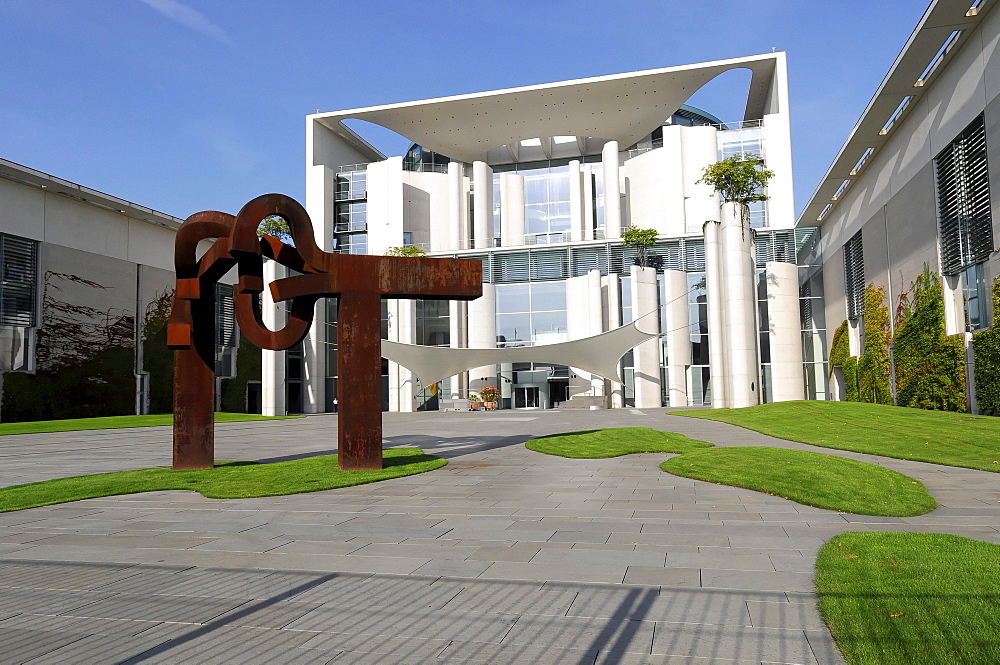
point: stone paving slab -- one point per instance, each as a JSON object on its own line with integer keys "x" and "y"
{"x": 469, "y": 563}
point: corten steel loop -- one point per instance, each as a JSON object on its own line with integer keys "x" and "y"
{"x": 359, "y": 283}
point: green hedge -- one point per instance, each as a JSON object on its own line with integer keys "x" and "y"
{"x": 930, "y": 366}
{"x": 248, "y": 368}
{"x": 986, "y": 350}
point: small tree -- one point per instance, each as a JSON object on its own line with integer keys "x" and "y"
{"x": 276, "y": 226}
{"x": 406, "y": 250}
{"x": 739, "y": 179}
{"x": 641, "y": 239}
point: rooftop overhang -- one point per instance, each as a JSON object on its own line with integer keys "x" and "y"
{"x": 621, "y": 107}
{"x": 53, "y": 185}
{"x": 913, "y": 73}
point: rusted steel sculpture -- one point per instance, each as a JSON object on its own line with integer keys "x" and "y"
{"x": 359, "y": 282}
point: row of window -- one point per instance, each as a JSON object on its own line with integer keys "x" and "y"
{"x": 965, "y": 227}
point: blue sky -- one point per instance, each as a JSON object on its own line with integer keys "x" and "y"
{"x": 187, "y": 105}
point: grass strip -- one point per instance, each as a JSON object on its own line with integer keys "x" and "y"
{"x": 120, "y": 422}
{"x": 613, "y": 442}
{"x": 809, "y": 478}
{"x": 940, "y": 437}
{"x": 911, "y": 598}
{"x": 229, "y": 480}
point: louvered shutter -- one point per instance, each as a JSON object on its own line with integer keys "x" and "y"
{"x": 963, "y": 190}
{"x": 485, "y": 258}
{"x": 511, "y": 267}
{"x": 585, "y": 259}
{"x": 694, "y": 255}
{"x": 549, "y": 264}
{"x": 854, "y": 276}
{"x": 18, "y": 281}
{"x": 225, "y": 316}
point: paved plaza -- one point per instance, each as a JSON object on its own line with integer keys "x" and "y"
{"x": 503, "y": 556}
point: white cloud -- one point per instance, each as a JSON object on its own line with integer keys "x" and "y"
{"x": 189, "y": 18}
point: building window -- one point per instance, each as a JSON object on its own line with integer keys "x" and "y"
{"x": 351, "y": 243}
{"x": 854, "y": 276}
{"x": 531, "y": 314}
{"x": 226, "y": 332}
{"x": 966, "y": 223}
{"x": 18, "y": 281}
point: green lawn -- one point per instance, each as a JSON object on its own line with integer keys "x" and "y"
{"x": 612, "y": 442}
{"x": 809, "y": 478}
{"x": 941, "y": 437}
{"x": 232, "y": 480}
{"x": 911, "y": 598}
{"x": 119, "y": 422}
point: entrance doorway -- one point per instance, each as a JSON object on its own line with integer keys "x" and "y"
{"x": 526, "y": 397}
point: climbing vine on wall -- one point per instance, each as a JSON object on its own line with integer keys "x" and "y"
{"x": 986, "y": 350}
{"x": 930, "y": 366}
{"x": 840, "y": 356}
{"x": 873, "y": 365}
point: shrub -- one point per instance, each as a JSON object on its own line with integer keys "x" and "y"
{"x": 986, "y": 353}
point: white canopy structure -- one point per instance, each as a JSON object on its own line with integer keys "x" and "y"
{"x": 598, "y": 355}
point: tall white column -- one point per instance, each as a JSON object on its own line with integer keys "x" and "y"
{"x": 314, "y": 363}
{"x": 784, "y": 325}
{"x": 612, "y": 191}
{"x": 272, "y": 362}
{"x": 458, "y": 338}
{"x": 646, "y": 356}
{"x": 739, "y": 309}
{"x": 482, "y": 331}
{"x": 678, "y": 335}
{"x": 611, "y": 294}
{"x": 699, "y": 148}
{"x": 458, "y": 229}
{"x": 482, "y": 213}
{"x": 511, "y": 209}
{"x": 576, "y": 218}
{"x": 402, "y": 328}
{"x": 716, "y": 327}
{"x": 588, "y": 202}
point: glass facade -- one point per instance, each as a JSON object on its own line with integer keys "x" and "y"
{"x": 743, "y": 142}
{"x": 351, "y": 213}
{"x": 531, "y": 314}
{"x": 699, "y": 376}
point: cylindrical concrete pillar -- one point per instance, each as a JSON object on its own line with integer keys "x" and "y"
{"x": 785, "y": 335}
{"x": 272, "y": 362}
{"x": 511, "y": 209}
{"x": 482, "y": 334}
{"x": 678, "y": 335}
{"x": 482, "y": 212}
{"x": 716, "y": 326}
{"x": 587, "y": 194}
{"x": 612, "y": 191}
{"x": 646, "y": 356}
{"x": 740, "y": 309}
{"x": 458, "y": 230}
{"x": 576, "y": 221}
{"x": 458, "y": 338}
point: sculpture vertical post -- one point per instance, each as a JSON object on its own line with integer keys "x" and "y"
{"x": 359, "y": 364}
{"x": 194, "y": 390}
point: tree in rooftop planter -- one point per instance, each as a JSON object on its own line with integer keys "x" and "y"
{"x": 406, "y": 250}
{"x": 275, "y": 226}
{"x": 739, "y": 179}
{"x": 641, "y": 239}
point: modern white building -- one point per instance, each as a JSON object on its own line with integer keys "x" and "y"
{"x": 915, "y": 183}
{"x": 539, "y": 183}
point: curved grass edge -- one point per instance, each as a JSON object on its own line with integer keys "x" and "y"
{"x": 817, "y": 479}
{"x": 227, "y": 480}
{"x": 893, "y": 598}
{"x": 121, "y": 422}
{"x": 968, "y": 435}
{"x": 611, "y": 442}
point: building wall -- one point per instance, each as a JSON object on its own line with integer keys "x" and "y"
{"x": 893, "y": 200}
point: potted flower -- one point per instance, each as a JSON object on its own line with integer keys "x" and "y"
{"x": 475, "y": 402}
{"x": 490, "y": 395}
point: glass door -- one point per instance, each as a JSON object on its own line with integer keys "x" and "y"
{"x": 526, "y": 397}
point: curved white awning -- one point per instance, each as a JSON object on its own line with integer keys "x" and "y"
{"x": 598, "y": 355}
